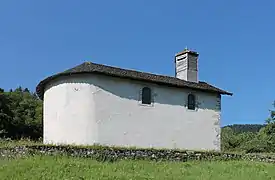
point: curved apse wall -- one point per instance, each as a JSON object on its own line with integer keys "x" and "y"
{"x": 69, "y": 112}
{"x": 88, "y": 109}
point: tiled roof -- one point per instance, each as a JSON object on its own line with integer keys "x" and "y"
{"x": 93, "y": 68}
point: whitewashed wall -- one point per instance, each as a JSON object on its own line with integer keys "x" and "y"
{"x": 88, "y": 109}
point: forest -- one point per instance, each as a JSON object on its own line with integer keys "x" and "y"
{"x": 21, "y": 117}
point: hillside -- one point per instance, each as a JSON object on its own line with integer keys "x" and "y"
{"x": 241, "y": 128}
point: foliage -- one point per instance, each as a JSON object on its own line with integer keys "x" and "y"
{"x": 9, "y": 143}
{"x": 232, "y": 141}
{"x": 63, "y": 167}
{"x": 20, "y": 114}
{"x": 271, "y": 119}
{"x": 245, "y": 137}
{"x": 241, "y": 128}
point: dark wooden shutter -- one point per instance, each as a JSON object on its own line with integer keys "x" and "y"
{"x": 146, "y": 95}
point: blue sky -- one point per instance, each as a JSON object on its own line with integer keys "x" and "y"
{"x": 235, "y": 40}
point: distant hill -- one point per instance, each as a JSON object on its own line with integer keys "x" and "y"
{"x": 240, "y": 128}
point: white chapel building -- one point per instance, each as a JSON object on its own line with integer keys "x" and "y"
{"x": 99, "y": 104}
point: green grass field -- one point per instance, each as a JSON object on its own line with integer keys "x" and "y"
{"x": 57, "y": 167}
{"x": 12, "y": 143}
{"x": 61, "y": 167}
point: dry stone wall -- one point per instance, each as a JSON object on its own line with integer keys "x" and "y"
{"x": 113, "y": 154}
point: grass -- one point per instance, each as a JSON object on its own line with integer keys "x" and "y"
{"x": 21, "y": 142}
{"x": 61, "y": 167}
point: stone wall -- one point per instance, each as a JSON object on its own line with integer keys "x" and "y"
{"x": 111, "y": 154}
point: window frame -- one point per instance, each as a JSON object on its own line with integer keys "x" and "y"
{"x": 146, "y": 95}
{"x": 141, "y": 96}
{"x": 191, "y": 106}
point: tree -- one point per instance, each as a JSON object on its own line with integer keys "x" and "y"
{"x": 271, "y": 118}
{"x": 265, "y": 140}
{"x": 5, "y": 113}
{"x": 20, "y": 114}
{"x": 229, "y": 139}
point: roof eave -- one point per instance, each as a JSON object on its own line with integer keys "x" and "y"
{"x": 99, "y": 69}
{"x": 227, "y": 93}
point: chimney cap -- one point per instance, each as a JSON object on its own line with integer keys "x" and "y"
{"x": 187, "y": 51}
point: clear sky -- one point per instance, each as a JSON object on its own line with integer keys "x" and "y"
{"x": 235, "y": 40}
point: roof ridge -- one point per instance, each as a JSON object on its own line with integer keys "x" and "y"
{"x": 129, "y": 69}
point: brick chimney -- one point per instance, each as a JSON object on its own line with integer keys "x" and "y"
{"x": 186, "y": 65}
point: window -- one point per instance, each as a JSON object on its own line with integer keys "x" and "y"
{"x": 191, "y": 102}
{"x": 146, "y": 95}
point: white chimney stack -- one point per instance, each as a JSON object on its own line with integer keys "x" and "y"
{"x": 186, "y": 63}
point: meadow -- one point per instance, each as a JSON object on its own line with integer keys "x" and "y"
{"x": 62, "y": 167}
